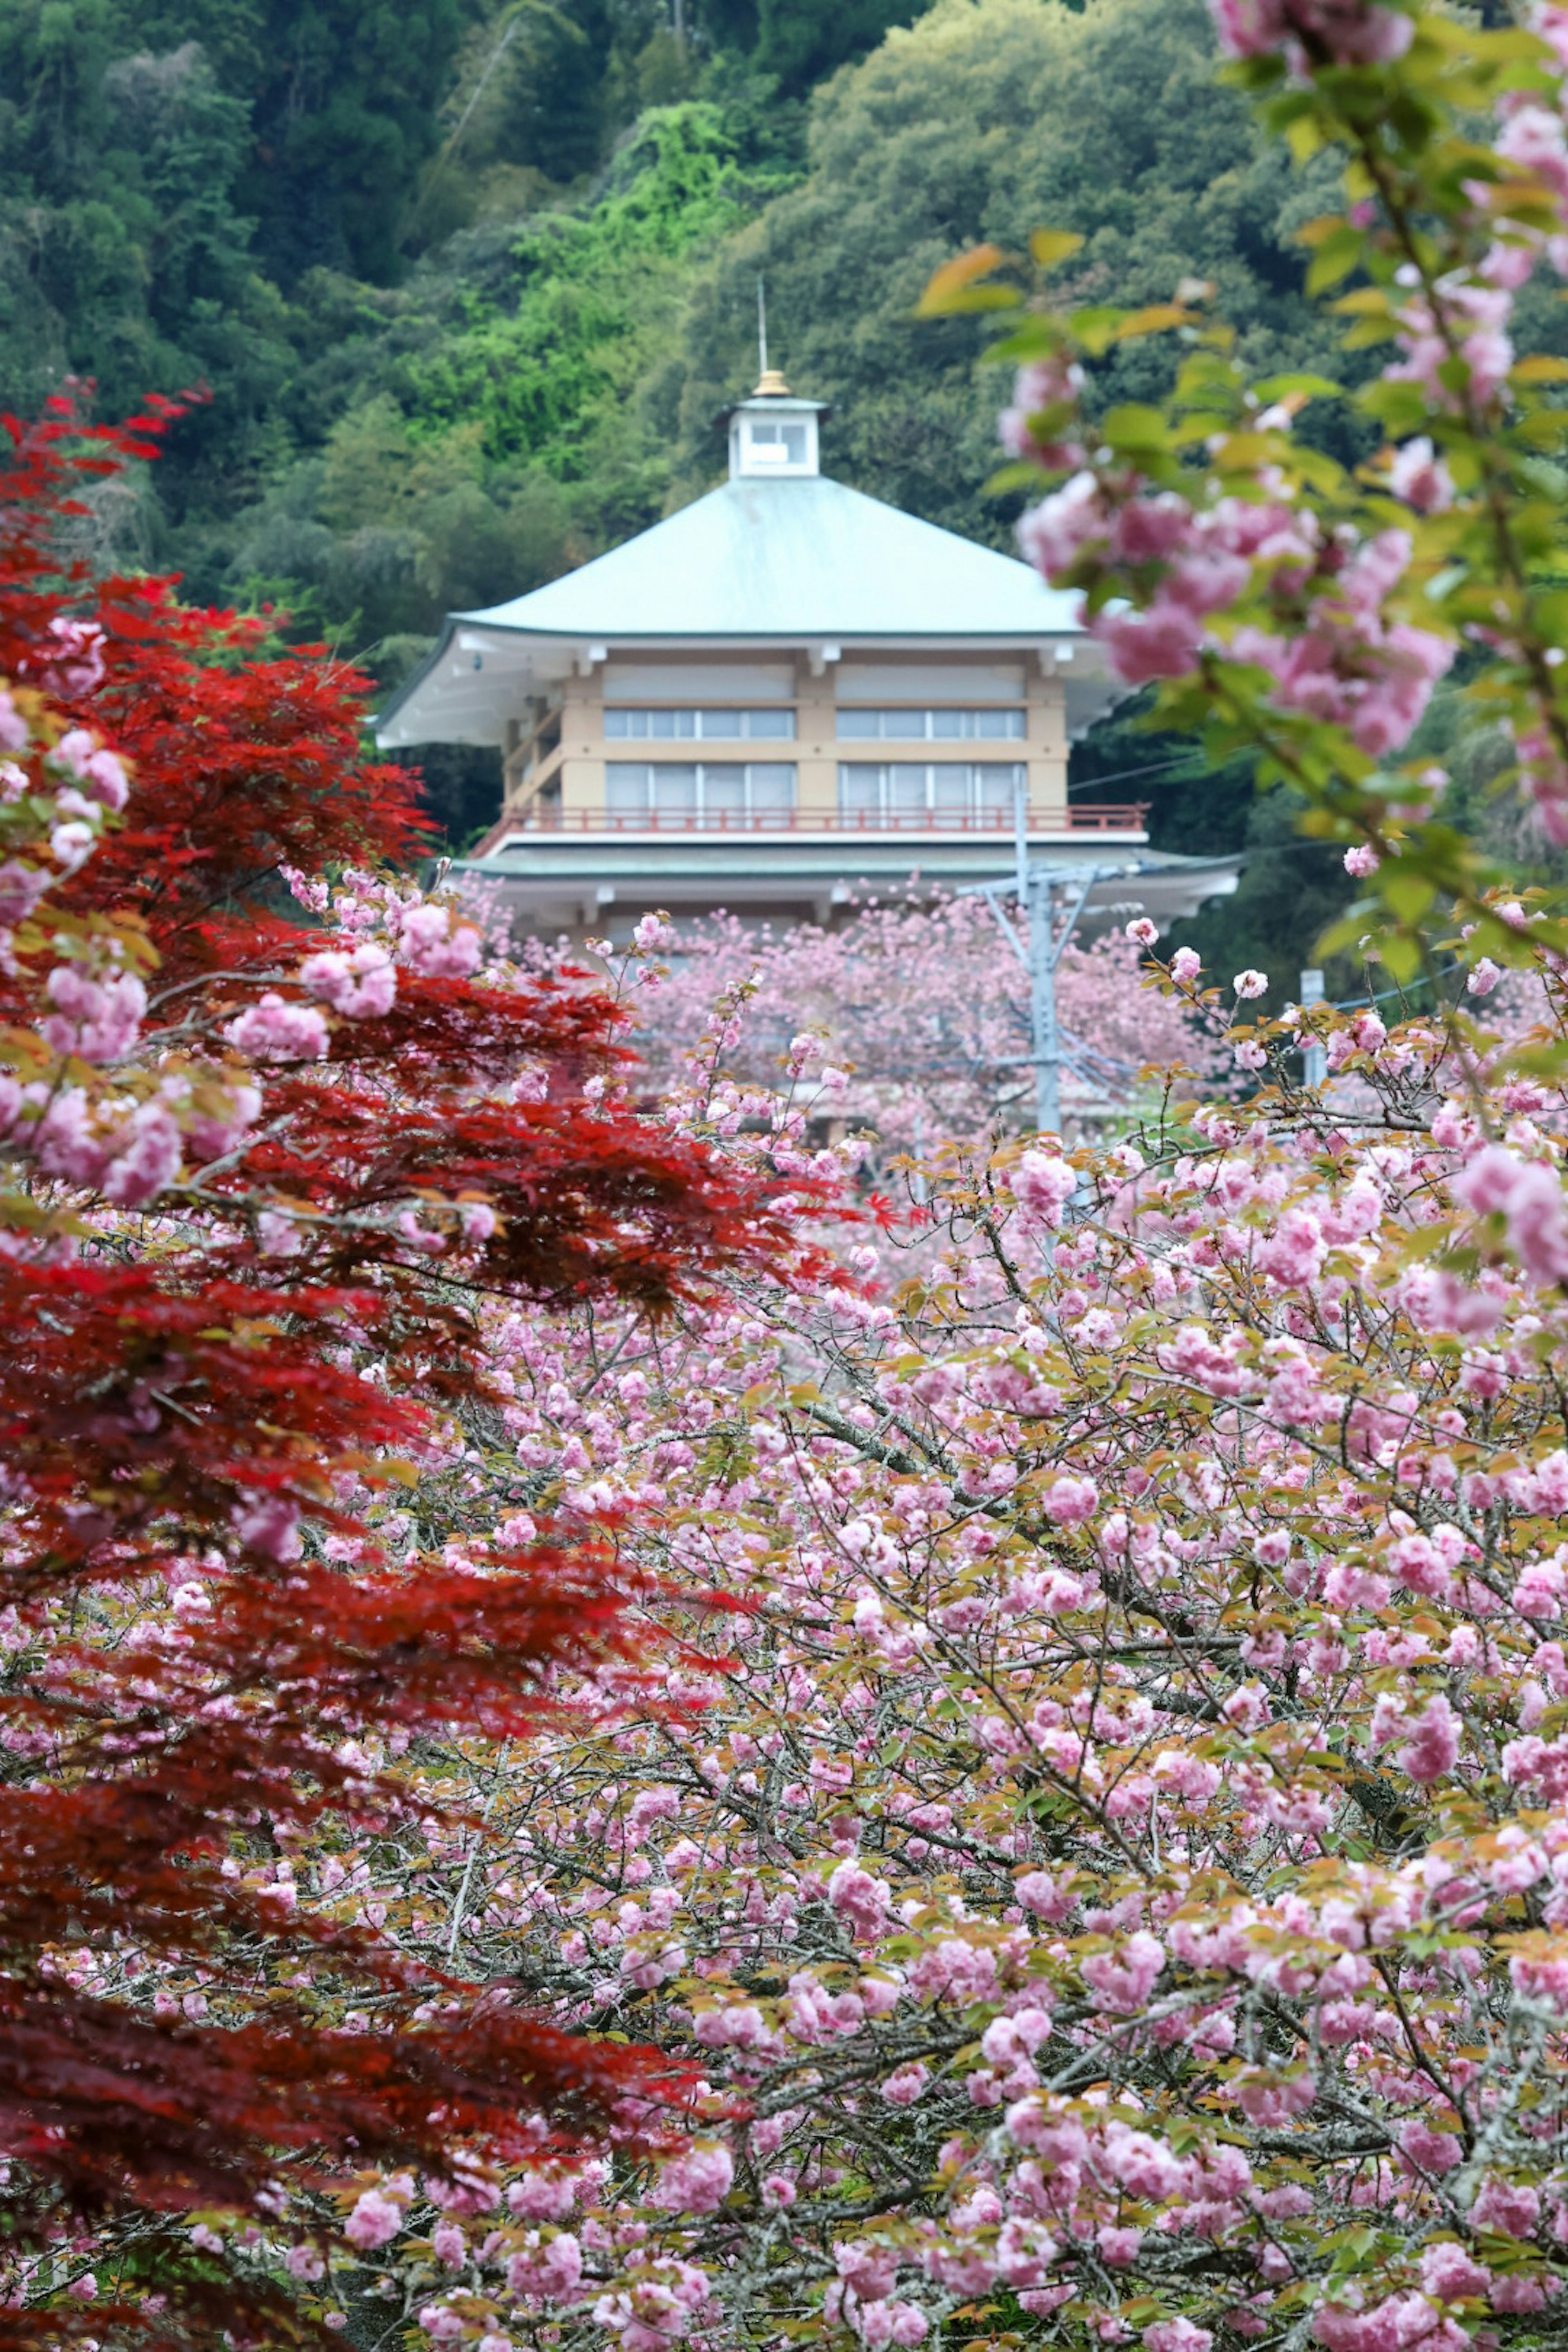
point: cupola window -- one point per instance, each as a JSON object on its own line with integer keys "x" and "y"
{"x": 773, "y": 434}
{"x": 774, "y": 446}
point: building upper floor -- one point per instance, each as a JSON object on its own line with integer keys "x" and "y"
{"x": 779, "y": 689}
{"x": 824, "y": 741}
{"x": 783, "y": 568}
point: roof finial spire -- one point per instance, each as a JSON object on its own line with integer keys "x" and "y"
{"x": 770, "y": 381}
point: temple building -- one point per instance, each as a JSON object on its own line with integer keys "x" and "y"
{"x": 782, "y": 696}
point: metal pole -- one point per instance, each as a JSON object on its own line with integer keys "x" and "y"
{"x": 1046, "y": 1037}
{"x": 762, "y": 329}
{"x": 1314, "y": 1059}
{"x": 1036, "y": 912}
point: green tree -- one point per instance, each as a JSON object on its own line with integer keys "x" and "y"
{"x": 551, "y": 359}
{"x": 345, "y": 113}
{"x": 983, "y": 118}
{"x": 127, "y": 257}
{"x": 803, "y": 40}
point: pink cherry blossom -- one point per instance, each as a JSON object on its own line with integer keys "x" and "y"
{"x": 98, "y": 1020}
{"x": 1420, "y": 477}
{"x": 274, "y": 1030}
{"x": 374, "y": 2221}
{"x": 698, "y": 2181}
{"x": 360, "y": 983}
{"x": 1043, "y": 1184}
{"x": 1350, "y": 32}
{"x": 430, "y": 940}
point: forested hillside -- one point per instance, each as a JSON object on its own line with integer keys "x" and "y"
{"x": 466, "y": 283}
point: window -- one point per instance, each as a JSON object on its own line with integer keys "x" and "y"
{"x": 776, "y": 445}
{"x": 776, "y": 725}
{"x": 708, "y": 793}
{"x": 930, "y": 726}
{"x": 918, "y": 792}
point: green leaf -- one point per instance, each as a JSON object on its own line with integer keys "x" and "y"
{"x": 1134, "y": 427}
{"x": 1407, "y": 894}
{"x": 1399, "y": 408}
{"x": 1153, "y": 320}
{"x": 1050, "y": 245}
{"x": 1336, "y": 257}
{"x": 1096, "y": 329}
{"x": 1020, "y": 475}
{"x": 1305, "y": 137}
{"x": 1363, "y": 301}
{"x": 1401, "y": 956}
{"x": 1309, "y": 387}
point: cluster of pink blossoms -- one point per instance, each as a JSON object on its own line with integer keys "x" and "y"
{"x": 90, "y": 1122}
{"x": 1342, "y": 32}
{"x": 1258, "y": 578}
{"x": 1328, "y": 648}
{"x": 905, "y": 1020}
{"x": 1130, "y": 1745}
{"x": 126, "y": 1111}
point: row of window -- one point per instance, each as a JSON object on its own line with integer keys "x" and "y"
{"x": 716, "y": 789}
{"x": 936, "y": 788}
{"x": 764, "y": 789}
{"x": 778, "y": 725}
{"x": 930, "y": 726}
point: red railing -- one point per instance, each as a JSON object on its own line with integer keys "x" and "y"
{"x": 1078, "y": 816}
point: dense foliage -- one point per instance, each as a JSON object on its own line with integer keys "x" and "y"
{"x": 998, "y": 1779}
{"x": 468, "y": 284}
{"x": 256, "y": 1187}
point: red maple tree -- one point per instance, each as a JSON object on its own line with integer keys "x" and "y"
{"x": 211, "y": 1370}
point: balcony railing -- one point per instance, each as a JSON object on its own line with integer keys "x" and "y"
{"x": 1077, "y": 816}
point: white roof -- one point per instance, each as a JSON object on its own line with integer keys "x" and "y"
{"x": 783, "y": 562}
{"x": 798, "y": 559}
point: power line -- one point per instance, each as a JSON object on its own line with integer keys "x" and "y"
{"x": 1125, "y": 775}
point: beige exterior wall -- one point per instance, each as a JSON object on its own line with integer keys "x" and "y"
{"x": 582, "y": 746}
{"x": 888, "y": 679}
{"x": 1047, "y": 744}
{"x": 816, "y": 749}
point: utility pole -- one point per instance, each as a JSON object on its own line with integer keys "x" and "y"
{"x": 1036, "y": 911}
{"x": 1044, "y": 952}
{"x": 1050, "y": 898}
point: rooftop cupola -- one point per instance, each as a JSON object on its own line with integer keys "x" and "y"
{"x": 774, "y": 435}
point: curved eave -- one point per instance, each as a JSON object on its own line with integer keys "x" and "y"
{"x": 460, "y": 695}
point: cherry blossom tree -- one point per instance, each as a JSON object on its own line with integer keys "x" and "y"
{"x": 1076, "y": 1821}
{"x": 1119, "y": 1798}
{"x": 917, "y": 1009}
{"x": 1111, "y": 1875}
